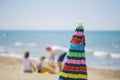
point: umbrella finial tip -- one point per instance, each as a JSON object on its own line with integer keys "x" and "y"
{"x": 79, "y": 23}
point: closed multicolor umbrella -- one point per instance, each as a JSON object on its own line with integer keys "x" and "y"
{"x": 75, "y": 64}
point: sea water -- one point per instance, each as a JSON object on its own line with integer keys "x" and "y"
{"x": 102, "y": 47}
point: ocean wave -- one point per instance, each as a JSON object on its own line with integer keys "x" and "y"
{"x": 31, "y": 44}
{"x": 101, "y": 53}
{"x": 115, "y": 55}
{"x": 106, "y": 54}
{"x": 25, "y": 44}
{"x": 18, "y": 44}
{"x": 11, "y": 54}
{"x": 17, "y": 55}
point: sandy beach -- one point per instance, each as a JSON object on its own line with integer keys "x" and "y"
{"x": 10, "y": 69}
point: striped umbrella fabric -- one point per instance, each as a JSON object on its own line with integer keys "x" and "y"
{"x": 75, "y": 64}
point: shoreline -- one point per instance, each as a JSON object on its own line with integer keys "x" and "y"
{"x": 36, "y": 59}
{"x": 11, "y": 69}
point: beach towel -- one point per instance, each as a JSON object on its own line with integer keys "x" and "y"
{"x": 75, "y": 65}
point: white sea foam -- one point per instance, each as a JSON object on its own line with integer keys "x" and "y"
{"x": 115, "y": 55}
{"x": 11, "y": 54}
{"x": 16, "y": 55}
{"x": 101, "y": 54}
{"x": 25, "y": 44}
{"x": 106, "y": 54}
{"x": 31, "y": 44}
{"x": 18, "y": 44}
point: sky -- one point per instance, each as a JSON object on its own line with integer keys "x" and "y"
{"x": 59, "y": 14}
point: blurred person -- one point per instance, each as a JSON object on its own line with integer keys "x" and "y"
{"x": 59, "y": 51}
{"x": 41, "y": 67}
{"x": 27, "y": 63}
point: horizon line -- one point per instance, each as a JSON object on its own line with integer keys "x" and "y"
{"x": 48, "y": 30}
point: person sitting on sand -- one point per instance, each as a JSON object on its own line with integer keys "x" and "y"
{"x": 44, "y": 68}
{"x": 59, "y": 51}
{"x": 27, "y": 63}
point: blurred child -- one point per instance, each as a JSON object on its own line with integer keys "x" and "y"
{"x": 27, "y": 63}
{"x": 45, "y": 68}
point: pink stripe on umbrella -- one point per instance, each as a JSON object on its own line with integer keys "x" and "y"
{"x": 78, "y": 33}
{"x": 76, "y": 61}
